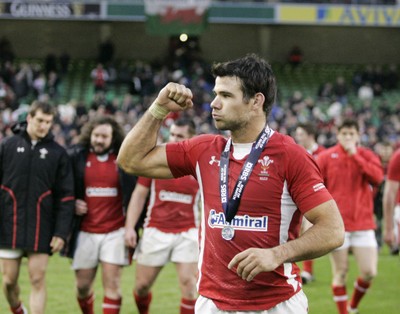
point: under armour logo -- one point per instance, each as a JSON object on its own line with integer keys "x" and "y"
{"x": 20, "y": 149}
{"x": 43, "y": 152}
{"x": 211, "y": 162}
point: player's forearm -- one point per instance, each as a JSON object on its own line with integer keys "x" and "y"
{"x": 390, "y": 191}
{"x": 134, "y": 211}
{"x": 324, "y": 236}
{"x": 138, "y": 143}
{"x": 132, "y": 218}
{"x": 372, "y": 169}
{"x": 388, "y": 204}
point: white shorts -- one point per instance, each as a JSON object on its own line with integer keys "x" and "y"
{"x": 365, "y": 238}
{"x": 157, "y": 248}
{"x": 297, "y": 304}
{"x": 93, "y": 248}
{"x": 11, "y": 253}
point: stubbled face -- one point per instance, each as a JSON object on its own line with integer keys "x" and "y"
{"x": 178, "y": 133}
{"x": 229, "y": 110}
{"x": 39, "y": 125}
{"x": 101, "y": 139}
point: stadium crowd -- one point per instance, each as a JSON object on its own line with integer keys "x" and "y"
{"x": 20, "y": 82}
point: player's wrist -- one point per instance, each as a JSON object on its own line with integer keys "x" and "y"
{"x": 157, "y": 111}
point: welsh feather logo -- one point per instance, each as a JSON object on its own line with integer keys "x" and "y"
{"x": 265, "y": 163}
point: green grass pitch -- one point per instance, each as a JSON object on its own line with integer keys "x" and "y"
{"x": 383, "y": 297}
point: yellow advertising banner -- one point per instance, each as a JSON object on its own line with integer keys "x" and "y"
{"x": 340, "y": 15}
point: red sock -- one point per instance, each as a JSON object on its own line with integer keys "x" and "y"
{"x": 17, "y": 309}
{"x": 360, "y": 289}
{"x": 111, "y": 306}
{"x": 308, "y": 266}
{"x": 143, "y": 303}
{"x": 340, "y": 297}
{"x": 187, "y": 306}
{"x": 87, "y": 304}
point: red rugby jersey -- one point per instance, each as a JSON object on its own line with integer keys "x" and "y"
{"x": 284, "y": 184}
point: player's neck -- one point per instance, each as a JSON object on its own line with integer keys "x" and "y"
{"x": 248, "y": 134}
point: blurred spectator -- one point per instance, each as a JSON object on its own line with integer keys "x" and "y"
{"x": 64, "y": 62}
{"x": 368, "y": 75}
{"x": 124, "y": 73}
{"x": 39, "y": 84}
{"x": 365, "y": 92}
{"x": 23, "y": 80}
{"x": 7, "y": 95}
{"x": 295, "y": 56}
{"x": 52, "y": 84}
{"x": 340, "y": 90}
{"x": 100, "y": 77}
{"x": 325, "y": 92}
{"x": 50, "y": 63}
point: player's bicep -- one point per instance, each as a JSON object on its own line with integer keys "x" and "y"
{"x": 326, "y": 212}
{"x": 155, "y": 164}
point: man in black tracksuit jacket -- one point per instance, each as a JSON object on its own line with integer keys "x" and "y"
{"x": 36, "y": 204}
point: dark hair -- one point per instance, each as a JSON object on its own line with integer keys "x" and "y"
{"x": 186, "y": 122}
{"x": 44, "y": 107}
{"x": 255, "y": 75}
{"x": 118, "y": 133}
{"x": 349, "y": 123}
{"x": 308, "y": 127}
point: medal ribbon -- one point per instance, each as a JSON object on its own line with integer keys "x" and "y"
{"x": 230, "y": 206}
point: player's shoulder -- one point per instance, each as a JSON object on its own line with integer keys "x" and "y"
{"x": 368, "y": 152}
{"x": 327, "y": 151}
{"x": 207, "y": 138}
{"x": 285, "y": 143}
{"x": 204, "y": 142}
{"x": 55, "y": 147}
{"x": 281, "y": 139}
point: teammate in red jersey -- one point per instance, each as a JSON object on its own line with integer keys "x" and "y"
{"x": 99, "y": 186}
{"x": 305, "y": 135}
{"x": 349, "y": 171}
{"x": 170, "y": 230}
{"x": 255, "y": 187}
{"x": 391, "y": 201}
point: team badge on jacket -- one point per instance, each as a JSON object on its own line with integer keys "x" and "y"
{"x": 43, "y": 152}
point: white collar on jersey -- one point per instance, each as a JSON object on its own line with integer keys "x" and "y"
{"x": 241, "y": 150}
{"x": 102, "y": 158}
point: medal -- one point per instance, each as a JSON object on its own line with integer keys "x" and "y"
{"x": 228, "y": 232}
{"x": 231, "y": 205}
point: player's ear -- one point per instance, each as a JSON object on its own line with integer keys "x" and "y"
{"x": 259, "y": 100}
